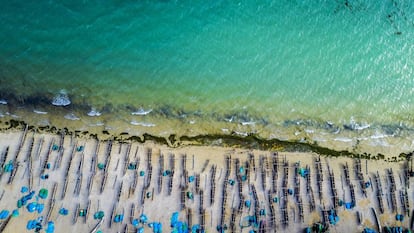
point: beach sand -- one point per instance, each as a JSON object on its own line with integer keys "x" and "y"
{"x": 94, "y": 176}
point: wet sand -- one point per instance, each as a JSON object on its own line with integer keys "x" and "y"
{"x": 207, "y": 186}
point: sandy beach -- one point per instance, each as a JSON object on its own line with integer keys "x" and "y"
{"x": 113, "y": 186}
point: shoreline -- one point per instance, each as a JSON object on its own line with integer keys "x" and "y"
{"x": 132, "y": 180}
{"x": 354, "y": 136}
{"x": 251, "y": 141}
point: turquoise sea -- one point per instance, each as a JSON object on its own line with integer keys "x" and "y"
{"x": 337, "y": 72}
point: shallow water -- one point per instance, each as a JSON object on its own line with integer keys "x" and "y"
{"x": 326, "y": 71}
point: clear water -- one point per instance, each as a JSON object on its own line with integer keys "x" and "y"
{"x": 334, "y": 72}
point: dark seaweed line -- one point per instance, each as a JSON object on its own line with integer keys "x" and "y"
{"x": 251, "y": 141}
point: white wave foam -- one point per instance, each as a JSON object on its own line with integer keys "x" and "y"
{"x": 241, "y": 133}
{"x": 310, "y": 131}
{"x": 145, "y": 124}
{"x": 141, "y": 112}
{"x": 343, "y": 139}
{"x": 9, "y": 114}
{"x": 361, "y": 127}
{"x": 357, "y": 126}
{"x": 39, "y": 112}
{"x": 379, "y": 136}
{"x": 97, "y": 124}
{"x": 230, "y": 119}
{"x": 72, "y": 116}
{"x": 93, "y": 113}
{"x": 61, "y": 99}
{"x": 12, "y": 115}
{"x": 3, "y": 101}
